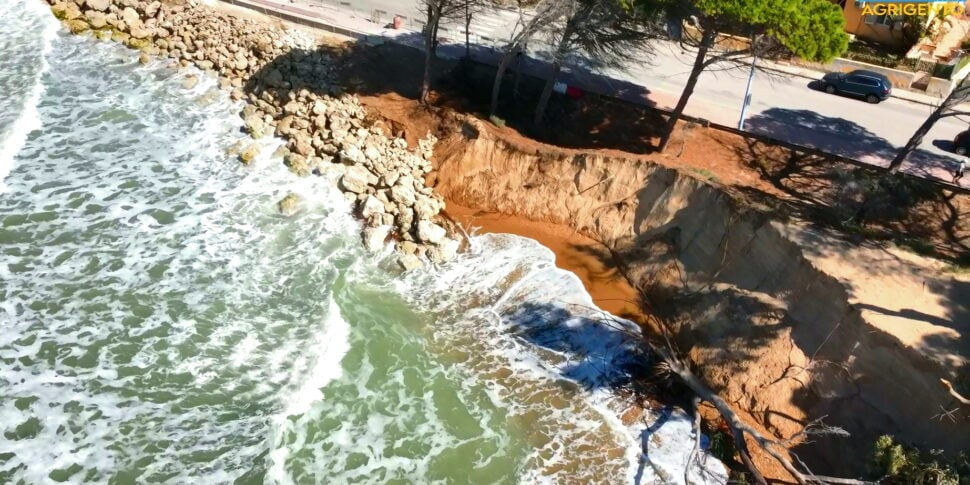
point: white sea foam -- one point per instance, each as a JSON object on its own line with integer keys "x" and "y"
{"x": 160, "y": 320}
{"x": 145, "y": 257}
{"x": 22, "y": 65}
{"x": 534, "y": 328}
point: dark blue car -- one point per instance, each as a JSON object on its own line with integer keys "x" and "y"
{"x": 868, "y": 85}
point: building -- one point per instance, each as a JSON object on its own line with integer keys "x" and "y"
{"x": 880, "y": 21}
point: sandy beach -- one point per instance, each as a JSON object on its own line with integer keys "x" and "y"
{"x": 585, "y": 257}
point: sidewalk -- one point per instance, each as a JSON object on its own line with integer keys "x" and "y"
{"x": 329, "y": 17}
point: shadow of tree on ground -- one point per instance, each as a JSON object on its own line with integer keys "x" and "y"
{"x": 588, "y": 121}
{"x": 859, "y": 202}
{"x": 843, "y": 137}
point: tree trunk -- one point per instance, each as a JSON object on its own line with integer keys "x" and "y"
{"x": 914, "y": 142}
{"x": 468, "y": 24}
{"x": 959, "y": 95}
{"x": 518, "y": 75}
{"x": 428, "y": 58}
{"x": 434, "y": 36}
{"x": 546, "y": 95}
{"x": 429, "y": 49}
{"x": 499, "y": 74}
{"x": 706, "y": 41}
{"x": 561, "y": 51}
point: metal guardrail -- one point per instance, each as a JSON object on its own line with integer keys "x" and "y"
{"x": 298, "y": 19}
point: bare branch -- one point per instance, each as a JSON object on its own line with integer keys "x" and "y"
{"x": 953, "y": 392}
{"x": 697, "y": 440}
{"x": 954, "y": 113}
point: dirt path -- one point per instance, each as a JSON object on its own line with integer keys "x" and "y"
{"x": 917, "y": 300}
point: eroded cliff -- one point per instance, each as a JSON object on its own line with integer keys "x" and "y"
{"x": 765, "y": 324}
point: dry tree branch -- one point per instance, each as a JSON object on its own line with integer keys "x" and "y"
{"x": 739, "y": 429}
{"x": 697, "y": 439}
{"x": 953, "y": 392}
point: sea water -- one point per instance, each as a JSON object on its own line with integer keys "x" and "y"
{"x": 161, "y": 322}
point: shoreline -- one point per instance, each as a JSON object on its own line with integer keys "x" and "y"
{"x": 243, "y": 78}
{"x": 590, "y": 261}
{"x": 581, "y": 255}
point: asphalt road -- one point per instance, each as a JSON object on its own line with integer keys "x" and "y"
{"x": 783, "y": 106}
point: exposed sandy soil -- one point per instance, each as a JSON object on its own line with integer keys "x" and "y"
{"x": 579, "y": 254}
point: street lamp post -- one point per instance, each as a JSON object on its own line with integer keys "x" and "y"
{"x": 747, "y": 93}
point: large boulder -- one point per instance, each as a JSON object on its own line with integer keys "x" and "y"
{"x": 297, "y": 164}
{"x": 152, "y": 8}
{"x": 190, "y": 81}
{"x": 300, "y": 143}
{"x": 288, "y": 205}
{"x": 77, "y": 26}
{"x": 409, "y": 262}
{"x": 446, "y": 251}
{"x": 403, "y": 191}
{"x": 293, "y": 108}
{"x": 255, "y": 126}
{"x": 375, "y": 237}
{"x": 352, "y": 154}
{"x": 130, "y": 16}
{"x": 320, "y": 107}
{"x": 426, "y": 207}
{"x": 371, "y": 207}
{"x": 66, "y": 11}
{"x": 139, "y": 31}
{"x": 273, "y": 78}
{"x": 95, "y": 18}
{"x": 241, "y": 62}
{"x": 249, "y": 154}
{"x": 284, "y": 127}
{"x": 99, "y": 5}
{"x": 430, "y": 232}
{"x": 355, "y": 180}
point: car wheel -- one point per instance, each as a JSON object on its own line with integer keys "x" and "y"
{"x": 872, "y": 98}
{"x": 960, "y": 150}
{"x": 830, "y": 89}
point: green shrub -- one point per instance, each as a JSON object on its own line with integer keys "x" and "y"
{"x": 888, "y": 458}
{"x": 893, "y": 463}
{"x": 962, "y": 63}
{"x": 918, "y": 246}
{"x": 879, "y": 60}
{"x": 705, "y": 174}
{"x": 872, "y": 54}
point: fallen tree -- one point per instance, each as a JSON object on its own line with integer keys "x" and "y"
{"x": 778, "y": 449}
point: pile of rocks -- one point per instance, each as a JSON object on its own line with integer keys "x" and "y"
{"x": 379, "y": 174}
{"x": 289, "y": 92}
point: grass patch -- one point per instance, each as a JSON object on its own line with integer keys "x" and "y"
{"x": 705, "y": 174}
{"x": 918, "y": 246}
{"x": 872, "y": 53}
{"x": 961, "y": 266}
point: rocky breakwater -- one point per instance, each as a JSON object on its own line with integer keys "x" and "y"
{"x": 288, "y": 90}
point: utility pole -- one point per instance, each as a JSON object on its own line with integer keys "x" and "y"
{"x": 747, "y": 93}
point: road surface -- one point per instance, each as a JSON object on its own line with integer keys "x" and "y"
{"x": 783, "y": 106}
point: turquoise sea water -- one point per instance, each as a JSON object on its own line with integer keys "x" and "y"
{"x": 161, "y": 322}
